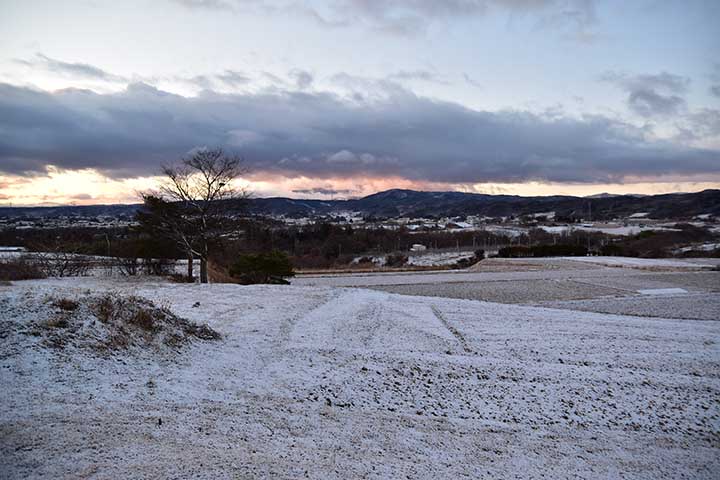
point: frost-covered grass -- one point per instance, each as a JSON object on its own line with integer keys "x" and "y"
{"x": 431, "y": 259}
{"x": 349, "y": 383}
{"x": 646, "y": 262}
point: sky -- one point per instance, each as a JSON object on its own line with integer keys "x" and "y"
{"x": 343, "y": 98}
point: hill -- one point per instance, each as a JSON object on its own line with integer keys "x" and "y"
{"x": 410, "y": 203}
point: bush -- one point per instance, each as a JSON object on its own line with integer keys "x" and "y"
{"x": 20, "y": 268}
{"x": 395, "y": 260}
{"x": 478, "y": 256}
{"x": 611, "y": 250}
{"x": 273, "y": 267}
{"x": 66, "y": 304}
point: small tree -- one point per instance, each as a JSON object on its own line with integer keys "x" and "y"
{"x": 188, "y": 208}
{"x": 271, "y": 267}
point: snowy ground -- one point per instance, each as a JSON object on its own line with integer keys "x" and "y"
{"x": 650, "y": 263}
{"x": 438, "y": 259}
{"x": 324, "y": 382}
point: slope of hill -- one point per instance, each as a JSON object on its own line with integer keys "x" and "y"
{"x": 411, "y": 203}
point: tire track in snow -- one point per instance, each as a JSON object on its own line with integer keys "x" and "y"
{"x": 288, "y": 324}
{"x": 454, "y": 331}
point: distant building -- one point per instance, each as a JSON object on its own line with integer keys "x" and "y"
{"x": 418, "y": 247}
{"x": 13, "y": 249}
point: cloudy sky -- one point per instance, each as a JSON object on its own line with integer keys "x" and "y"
{"x": 341, "y": 98}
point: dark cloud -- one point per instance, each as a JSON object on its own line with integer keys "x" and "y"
{"x": 423, "y": 75}
{"x": 321, "y": 135}
{"x": 82, "y": 196}
{"x": 700, "y": 125}
{"x": 652, "y": 95}
{"x": 303, "y": 79}
{"x": 207, "y": 4}
{"x": 575, "y": 18}
{"x": 413, "y": 17}
{"x": 471, "y": 81}
{"x": 715, "y": 90}
{"x": 649, "y": 103}
{"x": 75, "y": 70}
{"x": 234, "y": 78}
{"x": 227, "y": 78}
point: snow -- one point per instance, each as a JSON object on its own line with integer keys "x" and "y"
{"x": 506, "y": 231}
{"x": 662, "y": 291}
{"x": 620, "y": 230}
{"x": 556, "y": 229}
{"x": 705, "y": 247}
{"x": 350, "y": 383}
{"x": 438, "y": 258}
{"x": 12, "y": 249}
{"x": 646, "y": 262}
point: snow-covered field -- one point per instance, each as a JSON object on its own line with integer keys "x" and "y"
{"x": 633, "y": 262}
{"x": 324, "y": 382}
{"x": 438, "y": 259}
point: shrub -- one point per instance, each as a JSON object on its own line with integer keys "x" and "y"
{"x": 180, "y": 278}
{"x": 478, "y": 256}
{"x": 66, "y": 304}
{"x": 397, "y": 260}
{"x": 20, "y": 268}
{"x": 611, "y": 250}
{"x": 273, "y": 267}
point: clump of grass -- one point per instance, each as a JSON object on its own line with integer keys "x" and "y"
{"x": 132, "y": 319}
{"x": 113, "y": 322}
{"x": 66, "y": 304}
{"x": 57, "y": 322}
{"x": 202, "y": 332}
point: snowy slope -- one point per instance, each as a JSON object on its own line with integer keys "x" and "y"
{"x": 349, "y": 383}
{"x": 647, "y": 262}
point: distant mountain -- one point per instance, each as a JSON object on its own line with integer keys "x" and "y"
{"x": 410, "y": 203}
{"x": 611, "y": 195}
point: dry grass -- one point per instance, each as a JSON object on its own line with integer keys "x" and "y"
{"x": 111, "y": 322}
{"x": 132, "y": 319}
{"x": 20, "y": 268}
{"x": 66, "y": 304}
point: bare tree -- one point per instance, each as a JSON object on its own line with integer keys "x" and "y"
{"x": 189, "y": 205}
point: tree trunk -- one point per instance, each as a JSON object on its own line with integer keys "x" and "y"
{"x": 203, "y": 270}
{"x": 190, "y": 267}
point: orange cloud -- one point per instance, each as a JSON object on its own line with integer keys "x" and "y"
{"x": 86, "y": 187}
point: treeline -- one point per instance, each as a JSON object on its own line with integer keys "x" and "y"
{"x": 662, "y": 243}
{"x": 325, "y": 245}
{"x": 561, "y": 250}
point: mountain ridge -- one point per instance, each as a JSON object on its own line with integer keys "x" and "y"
{"x": 395, "y": 203}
